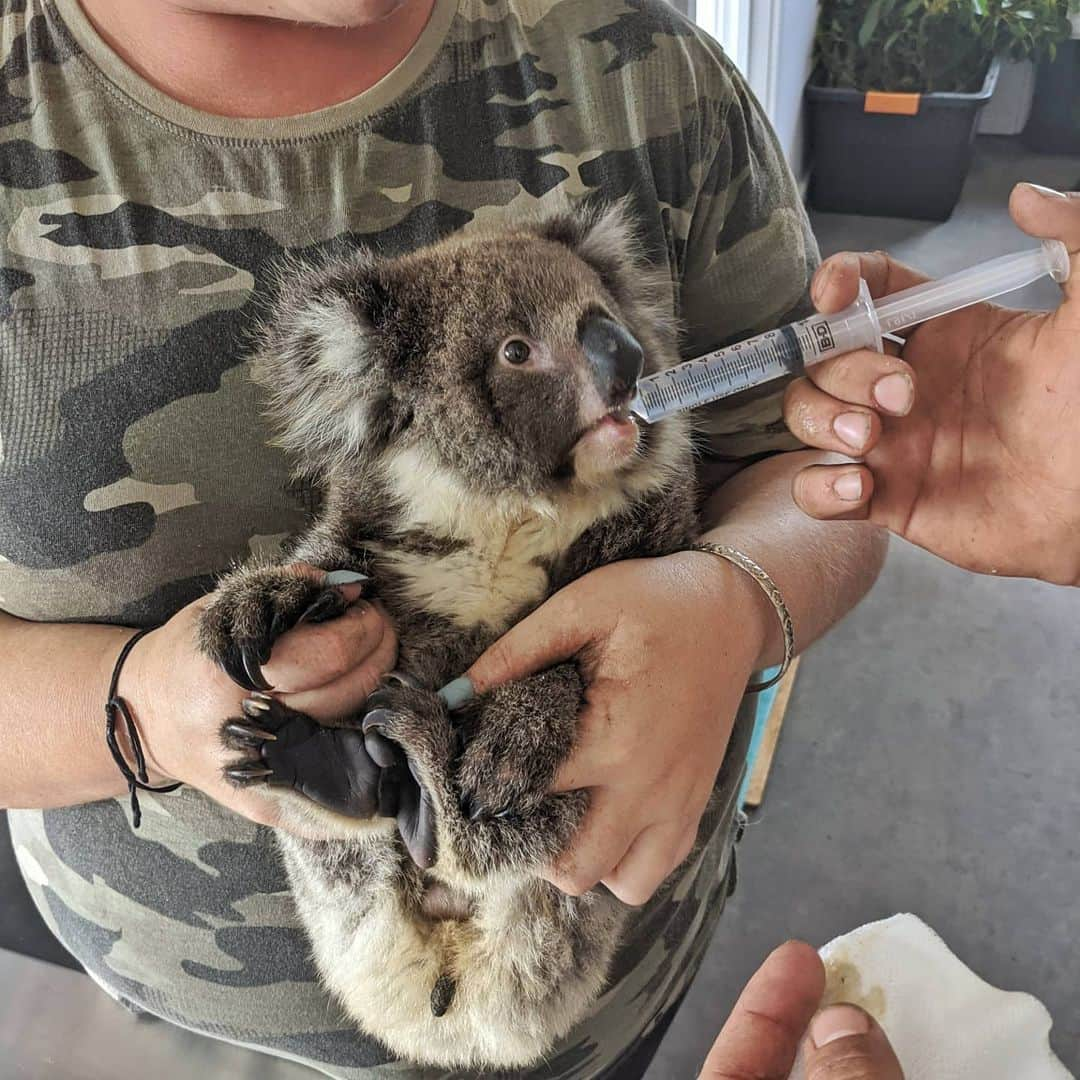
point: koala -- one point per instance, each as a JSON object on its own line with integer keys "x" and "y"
{"x": 464, "y": 411}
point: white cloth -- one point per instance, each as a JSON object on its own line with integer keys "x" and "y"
{"x": 944, "y": 1022}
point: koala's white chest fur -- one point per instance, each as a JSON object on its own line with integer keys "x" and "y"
{"x": 500, "y": 565}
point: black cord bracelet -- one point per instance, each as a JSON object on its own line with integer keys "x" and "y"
{"x": 137, "y": 780}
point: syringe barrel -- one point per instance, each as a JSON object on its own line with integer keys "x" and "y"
{"x": 856, "y": 327}
{"x": 762, "y": 359}
{"x": 994, "y": 278}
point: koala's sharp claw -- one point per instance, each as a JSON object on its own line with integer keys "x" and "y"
{"x": 258, "y": 695}
{"x": 401, "y": 678}
{"x": 376, "y": 720}
{"x": 328, "y": 606}
{"x": 233, "y": 666}
{"x": 470, "y": 810}
{"x": 442, "y": 995}
{"x": 255, "y": 707}
{"x": 249, "y": 774}
{"x": 381, "y": 699}
{"x": 252, "y": 666}
{"x": 251, "y": 734}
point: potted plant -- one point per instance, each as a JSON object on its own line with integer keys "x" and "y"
{"x": 1054, "y": 126}
{"x": 896, "y": 93}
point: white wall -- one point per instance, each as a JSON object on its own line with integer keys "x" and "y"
{"x": 793, "y": 57}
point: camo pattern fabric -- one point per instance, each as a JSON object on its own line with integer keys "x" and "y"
{"x": 137, "y": 236}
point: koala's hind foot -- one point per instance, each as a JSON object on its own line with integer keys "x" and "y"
{"x": 251, "y": 609}
{"x": 480, "y": 800}
{"x": 330, "y": 766}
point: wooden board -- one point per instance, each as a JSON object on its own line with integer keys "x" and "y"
{"x": 755, "y": 790}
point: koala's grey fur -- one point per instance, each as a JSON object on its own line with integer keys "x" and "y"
{"x": 446, "y": 479}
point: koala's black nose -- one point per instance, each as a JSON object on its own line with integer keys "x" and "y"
{"x": 613, "y": 353}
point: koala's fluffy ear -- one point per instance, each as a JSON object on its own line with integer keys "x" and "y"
{"x": 319, "y": 358}
{"x": 605, "y": 237}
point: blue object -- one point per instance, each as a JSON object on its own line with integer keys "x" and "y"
{"x": 764, "y": 704}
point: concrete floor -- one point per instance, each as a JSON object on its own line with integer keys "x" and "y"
{"x": 931, "y": 753}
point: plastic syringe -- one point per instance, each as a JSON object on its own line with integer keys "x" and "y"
{"x": 790, "y": 349}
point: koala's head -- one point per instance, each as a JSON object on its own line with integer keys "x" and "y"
{"x": 506, "y": 358}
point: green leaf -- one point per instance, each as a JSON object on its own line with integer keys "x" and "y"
{"x": 873, "y": 17}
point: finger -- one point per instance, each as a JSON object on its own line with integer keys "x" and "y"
{"x": 834, "y": 492}
{"x": 1051, "y": 215}
{"x": 876, "y": 380}
{"x": 311, "y": 656}
{"x": 817, "y": 419}
{"x": 846, "y": 1044}
{"x": 590, "y": 764}
{"x": 762, "y": 1035}
{"x": 345, "y": 695}
{"x": 650, "y": 859}
{"x": 836, "y": 283}
{"x": 549, "y": 635}
{"x": 601, "y": 842}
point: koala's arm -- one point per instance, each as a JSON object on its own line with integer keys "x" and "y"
{"x": 259, "y": 601}
{"x": 662, "y": 523}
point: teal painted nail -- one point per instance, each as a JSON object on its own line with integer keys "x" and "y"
{"x": 457, "y": 693}
{"x": 344, "y": 577}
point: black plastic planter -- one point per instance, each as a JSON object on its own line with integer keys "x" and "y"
{"x": 889, "y": 163}
{"x": 1054, "y": 126}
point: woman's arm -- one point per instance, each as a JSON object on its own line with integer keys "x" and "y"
{"x": 821, "y": 572}
{"x": 668, "y": 646}
{"x": 55, "y": 678}
{"x": 55, "y": 681}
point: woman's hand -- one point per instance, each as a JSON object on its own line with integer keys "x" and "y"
{"x": 667, "y": 647}
{"x": 983, "y": 467}
{"x": 180, "y": 699}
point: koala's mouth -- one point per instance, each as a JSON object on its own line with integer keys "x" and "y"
{"x": 607, "y": 443}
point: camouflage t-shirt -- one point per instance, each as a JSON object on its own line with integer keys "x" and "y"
{"x": 137, "y": 234}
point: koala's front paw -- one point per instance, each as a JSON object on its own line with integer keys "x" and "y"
{"x": 409, "y": 728}
{"x": 330, "y": 766}
{"x": 252, "y": 609}
{"x": 514, "y": 742}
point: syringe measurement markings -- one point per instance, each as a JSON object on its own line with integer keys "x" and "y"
{"x": 728, "y": 371}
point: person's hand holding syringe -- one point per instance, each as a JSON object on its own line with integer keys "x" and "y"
{"x": 791, "y": 349}
{"x": 982, "y": 465}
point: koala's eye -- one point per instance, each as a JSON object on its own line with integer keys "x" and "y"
{"x": 516, "y": 351}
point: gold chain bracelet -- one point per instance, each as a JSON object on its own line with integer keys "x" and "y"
{"x": 776, "y": 598}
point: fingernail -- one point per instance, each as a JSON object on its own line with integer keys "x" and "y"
{"x": 848, "y": 487}
{"x": 344, "y": 577}
{"x": 457, "y": 693}
{"x": 853, "y": 428}
{"x": 1046, "y": 192}
{"x": 838, "y": 1022}
{"x": 895, "y": 394}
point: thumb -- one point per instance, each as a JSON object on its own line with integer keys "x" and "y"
{"x": 846, "y": 1043}
{"x": 550, "y": 634}
{"x": 1051, "y": 215}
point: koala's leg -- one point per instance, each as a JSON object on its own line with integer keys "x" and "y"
{"x": 529, "y": 961}
{"x": 251, "y": 609}
{"x": 482, "y": 799}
